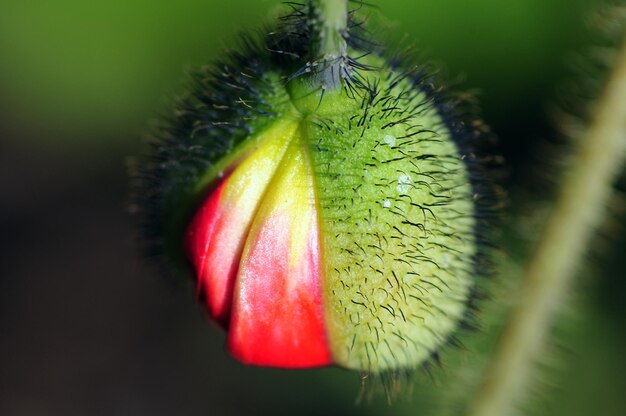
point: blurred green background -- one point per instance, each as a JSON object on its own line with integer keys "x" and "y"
{"x": 89, "y": 326}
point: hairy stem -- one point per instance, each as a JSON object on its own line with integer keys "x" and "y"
{"x": 580, "y": 207}
{"x": 331, "y": 25}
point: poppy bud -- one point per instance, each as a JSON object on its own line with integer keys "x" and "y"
{"x": 327, "y": 203}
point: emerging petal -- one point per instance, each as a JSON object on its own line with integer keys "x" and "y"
{"x": 268, "y": 292}
{"x": 217, "y": 233}
{"x": 278, "y": 312}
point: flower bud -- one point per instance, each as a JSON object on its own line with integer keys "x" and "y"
{"x": 328, "y": 205}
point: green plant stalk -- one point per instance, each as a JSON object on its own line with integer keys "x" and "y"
{"x": 333, "y": 15}
{"x": 331, "y": 49}
{"x": 579, "y": 209}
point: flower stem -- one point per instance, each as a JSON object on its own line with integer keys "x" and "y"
{"x": 580, "y": 207}
{"x": 331, "y": 25}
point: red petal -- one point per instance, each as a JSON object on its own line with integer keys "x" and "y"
{"x": 278, "y": 313}
{"x": 215, "y": 278}
{"x": 217, "y": 233}
{"x": 255, "y": 245}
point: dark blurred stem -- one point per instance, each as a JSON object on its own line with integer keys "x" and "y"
{"x": 579, "y": 209}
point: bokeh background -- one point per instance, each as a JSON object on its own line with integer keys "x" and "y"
{"x": 88, "y": 326}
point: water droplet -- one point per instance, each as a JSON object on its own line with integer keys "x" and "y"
{"x": 446, "y": 261}
{"x": 386, "y": 203}
{"x": 404, "y": 183}
{"x": 390, "y": 140}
